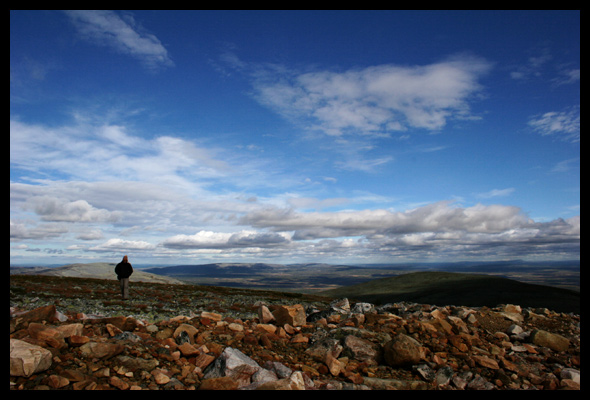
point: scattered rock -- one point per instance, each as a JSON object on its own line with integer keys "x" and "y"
{"x": 362, "y": 350}
{"x": 292, "y": 315}
{"x": 340, "y": 346}
{"x": 100, "y": 350}
{"x": 401, "y": 351}
{"x": 264, "y": 314}
{"x": 552, "y": 340}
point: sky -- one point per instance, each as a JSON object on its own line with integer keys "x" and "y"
{"x": 189, "y": 137}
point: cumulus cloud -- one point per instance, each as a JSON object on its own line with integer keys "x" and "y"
{"x": 122, "y": 34}
{"x": 219, "y": 240}
{"x": 56, "y": 209}
{"x": 436, "y": 217}
{"x": 20, "y": 230}
{"x": 374, "y": 100}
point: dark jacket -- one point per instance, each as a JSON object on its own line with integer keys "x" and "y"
{"x": 123, "y": 270}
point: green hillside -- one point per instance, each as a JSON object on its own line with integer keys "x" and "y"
{"x": 446, "y": 288}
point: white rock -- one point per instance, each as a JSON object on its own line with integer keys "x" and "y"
{"x": 27, "y": 359}
{"x": 570, "y": 373}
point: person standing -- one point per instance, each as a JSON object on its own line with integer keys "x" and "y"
{"x": 124, "y": 271}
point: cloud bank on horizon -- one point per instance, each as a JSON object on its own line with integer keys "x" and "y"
{"x": 151, "y": 135}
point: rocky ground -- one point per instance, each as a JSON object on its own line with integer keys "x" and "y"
{"x": 69, "y": 333}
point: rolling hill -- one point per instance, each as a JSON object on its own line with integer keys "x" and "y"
{"x": 446, "y": 288}
{"x": 94, "y": 270}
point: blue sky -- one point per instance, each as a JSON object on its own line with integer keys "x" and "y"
{"x": 294, "y": 136}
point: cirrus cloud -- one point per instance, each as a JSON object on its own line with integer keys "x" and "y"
{"x": 562, "y": 124}
{"x": 124, "y": 35}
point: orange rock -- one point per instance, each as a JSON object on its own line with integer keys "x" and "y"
{"x": 292, "y": 315}
{"x": 56, "y": 381}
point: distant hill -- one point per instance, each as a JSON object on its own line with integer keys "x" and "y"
{"x": 93, "y": 270}
{"x": 446, "y": 288}
{"x": 227, "y": 270}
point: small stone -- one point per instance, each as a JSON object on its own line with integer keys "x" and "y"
{"x": 334, "y": 365}
{"x": 551, "y": 340}
{"x": 361, "y": 350}
{"x": 70, "y": 329}
{"x": 118, "y": 383}
{"x": 113, "y": 330}
{"x": 160, "y": 377}
{"x": 514, "y": 329}
{"x": 56, "y": 381}
{"x": 266, "y": 328}
{"x": 189, "y": 329}
{"x": 102, "y": 373}
{"x": 47, "y": 334}
{"x": 77, "y": 341}
{"x": 101, "y": 350}
{"x": 402, "y": 350}
{"x": 211, "y": 316}
{"x": 363, "y": 308}
{"x": 341, "y": 306}
{"x": 203, "y": 361}
{"x": 235, "y": 327}
{"x": 264, "y": 314}
{"x": 443, "y": 375}
{"x": 480, "y": 383}
{"x": 486, "y": 362}
{"x": 46, "y": 313}
{"x": 188, "y": 350}
{"x": 299, "y": 338}
{"x": 426, "y": 372}
{"x": 570, "y": 373}
{"x": 292, "y": 315}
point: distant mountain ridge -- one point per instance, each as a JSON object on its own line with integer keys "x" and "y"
{"x": 94, "y": 271}
{"x": 447, "y": 288}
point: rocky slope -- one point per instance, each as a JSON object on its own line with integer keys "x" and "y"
{"x": 215, "y": 338}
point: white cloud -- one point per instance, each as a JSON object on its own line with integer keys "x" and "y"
{"x": 436, "y": 217}
{"x": 566, "y": 165}
{"x": 562, "y": 124}
{"x": 496, "y": 193}
{"x": 120, "y": 245}
{"x": 109, "y": 152}
{"x": 108, "y": 28}
{"x": 219, "y": 240}
{"x": 567, "y": 76}
{"x": 534, "y": 65}
{"x": 20, "y": 230}
{"x": 56, "y": 209}
{"x": 374, "y": 100}
{"x": 111, "y": 183}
